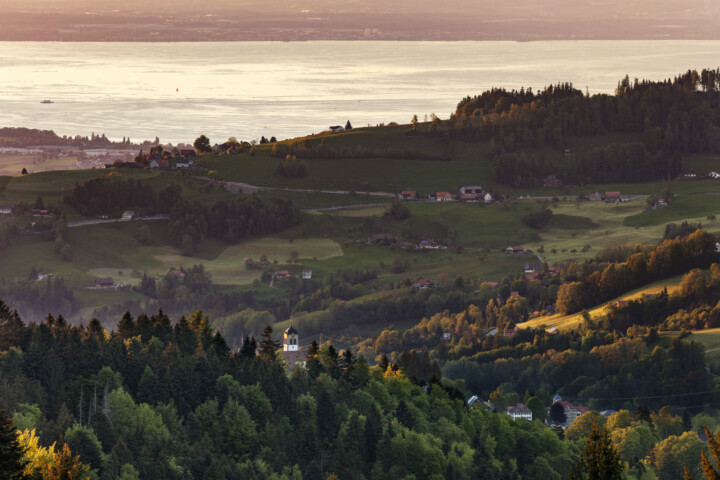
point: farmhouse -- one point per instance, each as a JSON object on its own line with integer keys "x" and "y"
{"x": 519, "y": 411}
{"x": 179, "y": 274}
{"x": 187, "y": 153}
{"x": 571, "y": 411}
{"x": 430, "y": 245}
{"x": 159, "y": 163}
{"x": 533, "y": 268}
{"x": 472, "y": 190}
{"x": 104, "y": 282}
{"x": 408, "y": 195}
{"x": 422, "y": 284}
{"x": 612, "y": 196}
{"x": 282, "y": 274}
{"x": 185, "y": 164}
{"x": 381, "y": 238}
{"x": 514, "y": 250}
{"x": 128, "y": 215}
{"x": 306, "y": 274}
{"x": 6, "y": 209}
{"x": 443, "y": 197}
{"x": 336, "y": 128}
{"x": 510, "y": 331}
{"x": 595, "y": 197}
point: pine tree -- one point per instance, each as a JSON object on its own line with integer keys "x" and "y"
{"x": 710, "y": 471}
{"x": 312, "y": 362}
{"x": 600, "y": 459}
{"x": 373, "y": 433}
{"x": 126, "y": 326}
{"x": 268, "y": 346}
{"x": 248, "y": 349}
{"x": 12, "y": 463}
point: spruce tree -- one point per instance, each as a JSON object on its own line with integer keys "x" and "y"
{"x": 12, "y": 463}
{"x": 600, "y": 459}
{"x": 268, "y": 345}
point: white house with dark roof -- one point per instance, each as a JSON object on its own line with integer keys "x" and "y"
{"x": 519, "y": 411}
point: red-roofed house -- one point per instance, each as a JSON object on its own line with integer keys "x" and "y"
{"x": 408, "y": 195}
{"x": 571, "y": 411}
{"x": 444, "y": 197}
{"x": 422, "y": 284}
{"x": 282, "y": 274}
{"x": 612, "y": 196}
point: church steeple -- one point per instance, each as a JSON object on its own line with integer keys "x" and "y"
{"x": 290, "y": 339}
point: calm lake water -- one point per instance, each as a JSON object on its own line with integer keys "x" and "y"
{"x": 176, "y": 91}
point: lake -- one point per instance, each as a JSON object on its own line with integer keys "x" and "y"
{"x": 177, "y": 91}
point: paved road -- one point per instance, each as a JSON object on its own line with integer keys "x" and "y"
{"x": 240, "y": 187}
{"x": 96, "y": 221}
{"x": 343, "y": 207}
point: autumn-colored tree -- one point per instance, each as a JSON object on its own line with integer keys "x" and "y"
{"x": 709, "y": 467}
{"x": 67, "y": 467}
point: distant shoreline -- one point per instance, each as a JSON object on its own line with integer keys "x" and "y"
{"x": 374, "y": 40}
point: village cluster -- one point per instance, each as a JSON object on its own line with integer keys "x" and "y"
{"x": 466, "y": 194}
{"x": 518, "y": 411}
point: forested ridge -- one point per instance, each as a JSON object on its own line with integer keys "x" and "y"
{"x": 665, "y": 120}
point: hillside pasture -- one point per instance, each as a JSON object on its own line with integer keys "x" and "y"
{"x": 710, "y": 339}
{"x": 564, "y": 322}
{"x": 684, "y": 207}
{"x": 228, "y": 268}
{"x": 14, "y": 164}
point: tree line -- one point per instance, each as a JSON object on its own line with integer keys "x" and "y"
{"x": 668, "y": 118}
{"x": 156, "y": 400}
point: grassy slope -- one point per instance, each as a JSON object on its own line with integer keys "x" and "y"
{"x": 569, "y": 321}
{"x": 384, "y": 171}
{"x": 13, "y": 164}
{"x": 684, "y": 207}
{"x": 330, "y": 241}
{"x": 711, "y": 340}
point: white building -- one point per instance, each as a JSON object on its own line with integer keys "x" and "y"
{"x": 519, "y": 411}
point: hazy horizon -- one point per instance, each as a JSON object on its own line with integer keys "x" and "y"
{"x": 219, "y": 20}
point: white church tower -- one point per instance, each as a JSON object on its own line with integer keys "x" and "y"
{"x": 290, "y": 340}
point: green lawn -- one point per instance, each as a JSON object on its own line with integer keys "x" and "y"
{"x": 683, "y": 207}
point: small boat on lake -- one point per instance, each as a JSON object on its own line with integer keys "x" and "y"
{"x": 47, "y": 101}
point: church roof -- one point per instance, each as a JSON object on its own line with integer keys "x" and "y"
{"x": 290, "y": 330}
